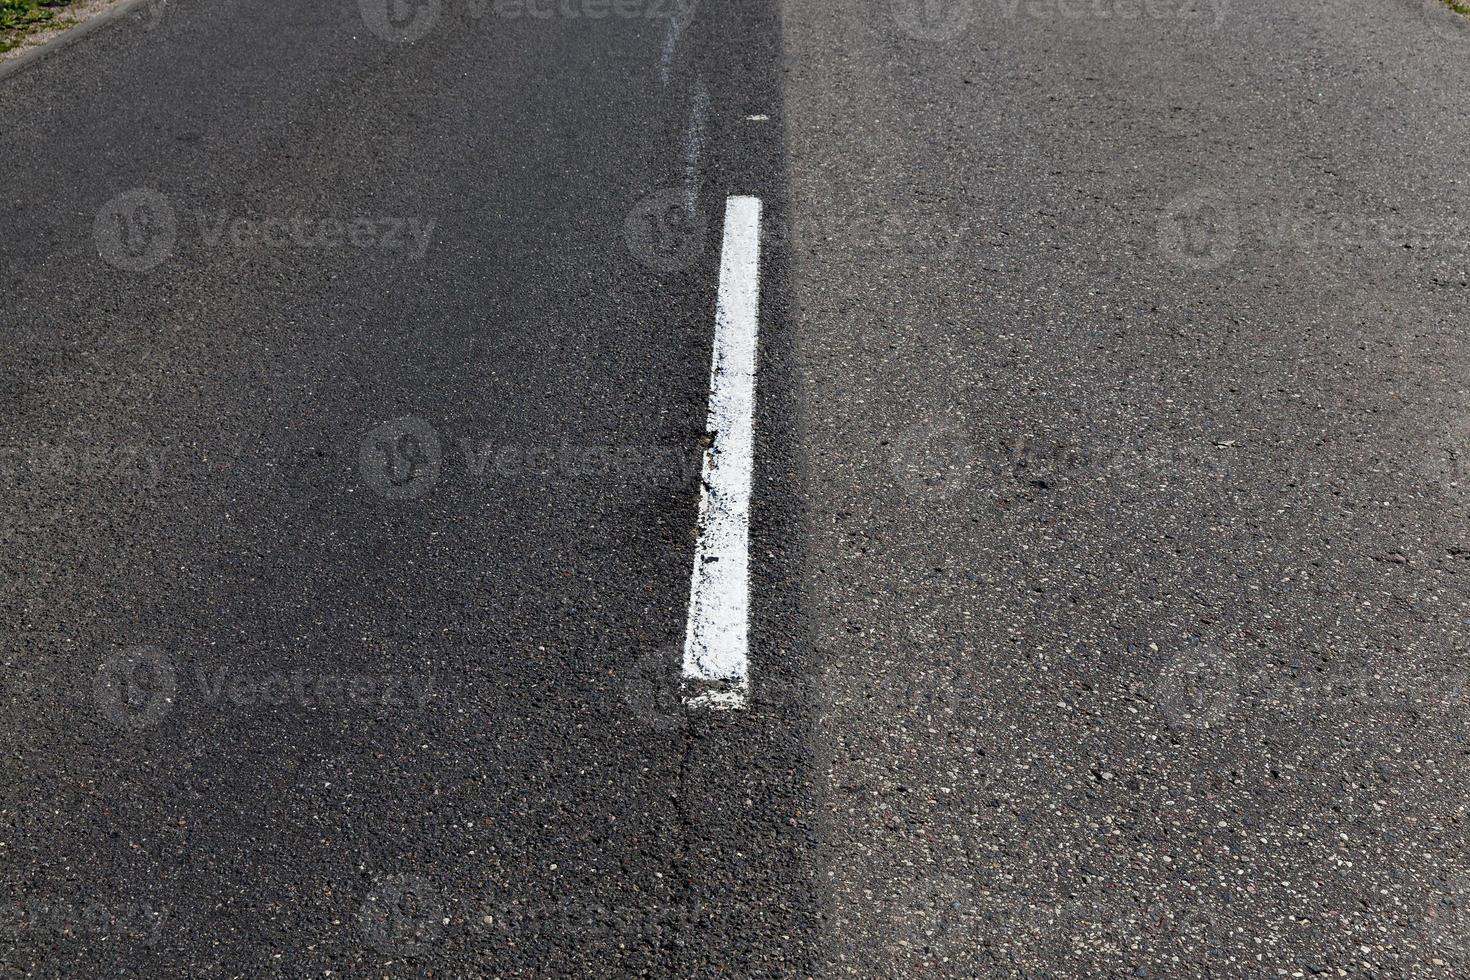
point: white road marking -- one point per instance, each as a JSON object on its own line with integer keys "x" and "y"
{"x": 694, "y": 146}
{"x": 666, "y": 56}
{"x": 757, "y": 118}
{"x": 717, "y": 642}
{"x": 676, "y": 26}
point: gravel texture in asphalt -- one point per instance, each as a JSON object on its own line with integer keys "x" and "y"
{"x": 1133, "y": 357}
{"x": 1109, "y": 564}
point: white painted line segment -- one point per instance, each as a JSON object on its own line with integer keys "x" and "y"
{"x": 666, "y": 56}
{"x": 675, "y": 28}
{"x": 717, "y": 641}
{"x": 694, "y": 146}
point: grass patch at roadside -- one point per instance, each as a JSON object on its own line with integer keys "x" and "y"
{"x": 1459, "y": 6}
{"x": 20, "y": 17}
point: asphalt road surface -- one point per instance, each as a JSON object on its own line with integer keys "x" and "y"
{"x": 1093, "y": 599}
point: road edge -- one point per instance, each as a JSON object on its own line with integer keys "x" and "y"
{"x": 67, "y": 38}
